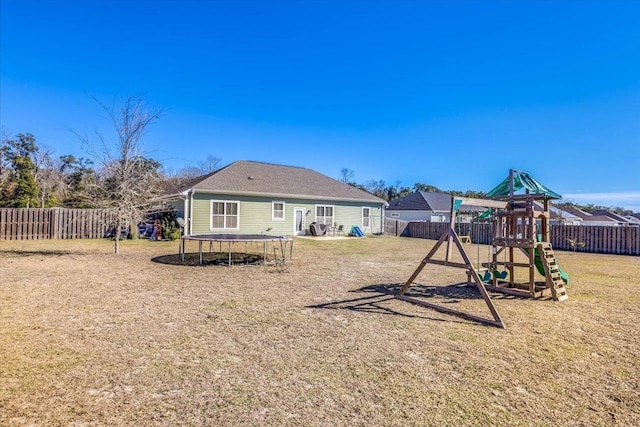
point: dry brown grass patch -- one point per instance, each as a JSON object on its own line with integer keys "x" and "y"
{"x": 91, "y": 338}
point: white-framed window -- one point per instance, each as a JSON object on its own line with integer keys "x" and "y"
{"x": 324, "y": 214}
{"x": 437, "y": 218}
{"x": 366, "y": 217}
{"x": 225, "y": 214}
{"x": 277, "y": 211}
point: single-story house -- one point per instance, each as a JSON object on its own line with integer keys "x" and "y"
{"x": 249, "y": 197}
{"x": 428, "y": 206}
{"x": 593, "y": 219}
{"x": 558, "y": 216}
{"x": 622, "y": 220}
{"x": 561, "y": 217}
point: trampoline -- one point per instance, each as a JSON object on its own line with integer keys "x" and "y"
{"x": 282, "y": 245}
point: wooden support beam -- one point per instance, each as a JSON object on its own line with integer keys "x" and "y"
{"x": 452, "y": 237}
{"x": 452, "y": 224}
{"x": 479, "y": 282}
{"x": 512, "y": 264}
{"x": 483, "y": 203}
{"x": 451, "y": 311}
{"x": 448, "y": 264}
{"x": 512, "y": 291}
{"x": 433, "y": 250}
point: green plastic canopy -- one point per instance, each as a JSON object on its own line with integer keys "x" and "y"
{"x": 522, "y": 180}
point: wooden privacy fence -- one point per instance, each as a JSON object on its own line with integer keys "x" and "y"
{"x": 589, "y": 238}
{"x": 54, "y": 223}
{"x": 479, "y": 232}
{"x": 396, "y": 227}
{"x": 592, "y": 238}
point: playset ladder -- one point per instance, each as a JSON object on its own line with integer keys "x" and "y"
{"x": 552, "y": 272}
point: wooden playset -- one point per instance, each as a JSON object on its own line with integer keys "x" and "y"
{"x": 524, "y": 227}
{"x": 520, "y": 223}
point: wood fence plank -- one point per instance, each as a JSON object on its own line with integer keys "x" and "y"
{"x": 60, "y": 223}
{"x": 3, "y": 223}
{"x": 596, "y": 239}
{"x": 53, "y": 223}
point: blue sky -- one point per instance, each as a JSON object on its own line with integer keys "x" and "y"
{"x": 446, "y": 93}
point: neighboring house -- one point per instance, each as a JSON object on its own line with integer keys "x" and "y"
{"x": 252, "y": 197}
{"x": 591, "y": 219}
{"x": 426, "y": 206}
{"x": 619, "y": 218}
{"x": 559, "y": 216}
{"x": 633, "y": 220}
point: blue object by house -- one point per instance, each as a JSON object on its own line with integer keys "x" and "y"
{"x": 356, "y": 231}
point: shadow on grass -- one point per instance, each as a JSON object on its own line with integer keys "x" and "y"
{"x": 450, "y": 294}
{"x": 441, "y": 296}
{"x": 381, "y": 293}
{"x": 209, "y": 258}
{"x": 42, "y": 252}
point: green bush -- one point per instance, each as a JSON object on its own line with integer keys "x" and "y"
{"x": 170, "y": 228}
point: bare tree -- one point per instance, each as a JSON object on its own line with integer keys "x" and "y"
{"x": 210, "y": 164}
{"x": 130, "y": 178}
{"x": 189, "y": 172}
{"x": 347, "y": 175}
{"x": 5, "y": 165}
{"x": 377, "y": 188}
{"x": 172, "y": 180}
{"x": 47, "y": 175}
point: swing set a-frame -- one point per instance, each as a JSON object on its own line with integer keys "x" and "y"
{"x": 450, "y": 236}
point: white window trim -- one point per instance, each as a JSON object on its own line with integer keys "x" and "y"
{"x": 333, "y": 213}
{"x": 363, "y": 217}
{"x": 284, "y": 211}
{"x": 225, "y": 216}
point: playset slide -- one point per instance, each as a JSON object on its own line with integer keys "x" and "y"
{"x": 564, "y": 275}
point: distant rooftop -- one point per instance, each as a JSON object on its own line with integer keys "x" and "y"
{"x": 427, "y": 201}
{"x": 586, "y": 216}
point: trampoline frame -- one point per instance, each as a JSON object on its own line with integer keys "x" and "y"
{"x": 237, "y": 238}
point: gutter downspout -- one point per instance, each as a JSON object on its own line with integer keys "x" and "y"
{"x": 382, "y": 217}
{"x": 190, "y": 199}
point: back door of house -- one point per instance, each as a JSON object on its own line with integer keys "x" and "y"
{"x": 299, "y": 225}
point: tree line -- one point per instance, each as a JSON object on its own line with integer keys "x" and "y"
{"x": 118, "y": 173}
{"x": 33, "y": 176}
{"x": 387, "y": 192}
{"x": 380, "y": 188}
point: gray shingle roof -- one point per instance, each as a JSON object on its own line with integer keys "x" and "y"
{"x": 589, "y": 217}
{"x": 426, "y": 201}
{"x": 611, "y": 215}
{"x": 411, "y": 202}
{"x": 256, "y": 178}
{"x": 556, "y": 213}
{"x": 632, "y": 219}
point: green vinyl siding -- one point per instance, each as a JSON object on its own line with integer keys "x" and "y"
{"x": 255, "y": 214}
{"x": 351, "y": 214}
